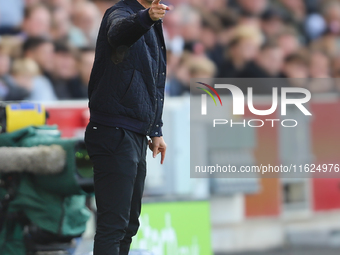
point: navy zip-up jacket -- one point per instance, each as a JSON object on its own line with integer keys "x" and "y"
{"x": 126, "y": 87}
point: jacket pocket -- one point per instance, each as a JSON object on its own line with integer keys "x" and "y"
{"x": 125, "y": 95}
{"x": 134, "y": 92}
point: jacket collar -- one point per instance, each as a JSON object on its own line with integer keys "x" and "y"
{"x": 134, "y": 5}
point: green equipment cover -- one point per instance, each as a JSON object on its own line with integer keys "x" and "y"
{"x": 55, "y": 203}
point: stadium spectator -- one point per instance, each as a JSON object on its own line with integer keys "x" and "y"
{"x": 256, "y": 8}
{"x": 65, "y": 75}
{"x": 319, "y": 65}
{"x": 191, "y": 66}
{"x": 26, "y": 73}
{"x": 295, "y": 67}
{"x": 329, "y": 42}
{"x": 9, "y": 90}
{"x": 267, "y": 64}
{"x": 190, "y": 27}
{"x": 320, "y": 72}
{"x": 173, "y": 40}
{"x": 63, "y": 30}
{"x": 37, "y": 21}
{"x": 86, "y": 17}
{"x": 241, "y": 50}
{"x": 41, "y": 50}
{"x": 296, "y": 13}
{"x": 272, "y": 23}
{"x": 288, "y": 40}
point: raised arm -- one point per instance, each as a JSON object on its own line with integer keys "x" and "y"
{"x": 124, "y": 29}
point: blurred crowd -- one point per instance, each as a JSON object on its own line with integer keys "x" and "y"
{"x": 47, "y": 46}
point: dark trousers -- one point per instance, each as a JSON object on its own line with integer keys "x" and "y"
{"x": 118, "y": 157}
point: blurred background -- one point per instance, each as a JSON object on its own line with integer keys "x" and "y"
{"x": 46, "y": 56}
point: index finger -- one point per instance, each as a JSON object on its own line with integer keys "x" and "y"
{"x": 162, "y": 156}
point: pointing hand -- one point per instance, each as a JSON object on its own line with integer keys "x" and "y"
{"x": 158, "y": 10}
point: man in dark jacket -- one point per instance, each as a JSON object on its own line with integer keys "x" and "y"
{"x": 126, "y": 96}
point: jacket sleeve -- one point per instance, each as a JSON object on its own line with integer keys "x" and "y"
{"x": 124, "y": 29}
{"x": 157, "y": 129}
